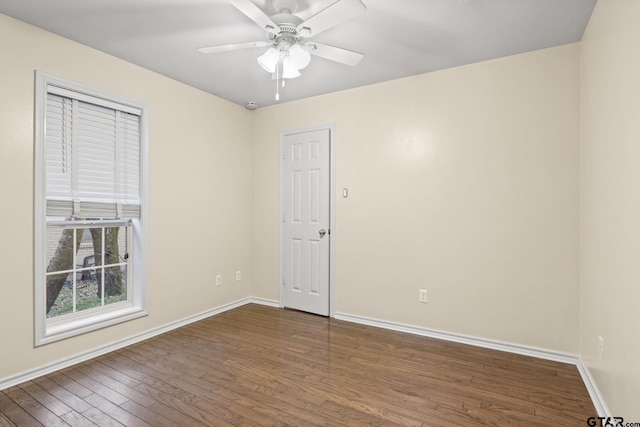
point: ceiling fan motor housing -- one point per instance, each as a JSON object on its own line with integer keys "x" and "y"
{"x": 287, "y": 34}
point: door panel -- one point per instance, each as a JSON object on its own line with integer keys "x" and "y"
{"x": 306, "y": 209}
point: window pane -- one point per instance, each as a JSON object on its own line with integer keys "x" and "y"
{"x": 58, "y": 249}
{"x": 115, "y": 284}
{"x": 87, "y": 292}
{"x": 115, "y": 246}
{"x": 85, "y": 257}
{"x": 59, "y": 294}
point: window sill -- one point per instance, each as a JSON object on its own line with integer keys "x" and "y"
{"x": 61, "y": 329}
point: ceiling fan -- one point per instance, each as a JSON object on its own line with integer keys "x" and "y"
{"x": 288, "y": 36}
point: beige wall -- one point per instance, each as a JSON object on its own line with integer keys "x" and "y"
{"x": 200, "y": 185}
{"x": 610, "y": 203}
{"x": 463, "y": 182}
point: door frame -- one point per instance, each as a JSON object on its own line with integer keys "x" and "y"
{"x": 332, "y": 206}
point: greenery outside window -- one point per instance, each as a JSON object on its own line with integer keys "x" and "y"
{"x": 90, "y": 222}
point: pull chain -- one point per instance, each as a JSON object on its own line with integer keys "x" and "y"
{"x": 277, "y": 81}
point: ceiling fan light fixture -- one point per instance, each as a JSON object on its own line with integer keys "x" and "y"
{"x": 289, "y": 69}
{"x": 289, "y": 51}
{"x": 299, "y": 56}
{"x": 269, "y": 59}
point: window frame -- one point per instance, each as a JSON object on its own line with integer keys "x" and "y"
{"x": 55, "y": 329}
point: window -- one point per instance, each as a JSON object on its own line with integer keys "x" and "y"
{"x": 90, "y": 226}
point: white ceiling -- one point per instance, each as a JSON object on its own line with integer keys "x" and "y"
{"x": 398, "y": 38}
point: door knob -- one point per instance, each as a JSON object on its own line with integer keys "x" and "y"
{"x": 322, "y": 232}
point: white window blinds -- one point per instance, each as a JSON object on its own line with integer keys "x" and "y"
{"x": 92, "y": 157}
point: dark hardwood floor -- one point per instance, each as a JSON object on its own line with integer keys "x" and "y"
{"x": 262, "y": 366}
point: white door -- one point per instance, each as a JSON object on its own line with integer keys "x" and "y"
{"x": 306, "y": 221}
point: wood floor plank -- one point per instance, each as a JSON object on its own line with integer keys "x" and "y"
{"x": 91, "y": 384}
{"x": 33, "y": 407}
{"x": 174, "y": 415}
{"x": 351, "y": 416}
{"x": 171, "y": 366}
{"x": 70, "y": 385}
{"x": 15, "y": 413}
{"x": 571, "y": 401}
{"x": 264, "y": 366}
{"x": 5, "y": 422}
{"x": 181, "y": 401}
{"x": 287, "y": 408}
{"x": 474, "y": 415}
{"x": 147, "y": 415}
{"x": 64, "y": 395}
{"x": 47, "y": 400}
{"x": 223, "y": 398}
{"x": 114, "y": 384}
{"x": 101, "y": 419}
{"x": 116, "y": 374}
{"x": 115, "y": 411}
{"x": 559, "y": 416}
{"x": 76, "y": 419}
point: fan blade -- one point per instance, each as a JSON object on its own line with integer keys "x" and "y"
{"x": 337, "y": 13}
{"x": 255, "y": 13}
{"x": 337, "y": 54}
{"x": 235, "y": 46}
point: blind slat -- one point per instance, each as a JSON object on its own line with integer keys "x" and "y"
{"x": 62, "y": 92}
{"x": 94, "y": 209}
{"x": 92, "y": 157}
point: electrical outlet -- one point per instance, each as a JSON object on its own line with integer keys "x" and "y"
{"x": 601, "y": 347}
{"x": 219, "y": 280}
{"x": 238, "y": 276}
{"x": 422, "y": 296}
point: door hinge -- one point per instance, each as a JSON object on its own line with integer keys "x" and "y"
{"x": 284, "y": 219}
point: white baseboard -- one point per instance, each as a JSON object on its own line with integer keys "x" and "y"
{"x": 264, "y": 301}
{"x": 61, "y": 364}
{"x": 464, "y": 339}
{"x": 592, "y": 388}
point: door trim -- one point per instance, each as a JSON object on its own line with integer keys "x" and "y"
{"x": 332, "y": 207}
